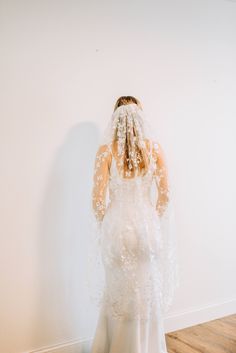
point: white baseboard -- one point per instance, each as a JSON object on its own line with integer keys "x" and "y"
{"x": 75, "y": 346}
{"x": 173, "y": 322}
{"x": 178, "y": 321}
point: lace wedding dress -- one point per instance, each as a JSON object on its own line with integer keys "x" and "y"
{"x": 136, "y": 259}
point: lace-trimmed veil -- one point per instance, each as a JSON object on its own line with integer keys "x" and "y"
{"x": 124, "y": 119}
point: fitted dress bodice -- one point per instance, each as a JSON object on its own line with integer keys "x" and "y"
{"x": 126, "y": 190}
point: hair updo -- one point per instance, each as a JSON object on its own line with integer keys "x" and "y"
{"x": 123, "y": 100}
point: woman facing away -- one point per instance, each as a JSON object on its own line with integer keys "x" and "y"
{"x": 137, "y": 247}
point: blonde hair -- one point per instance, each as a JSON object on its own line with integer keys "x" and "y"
{"x": 142, "y": 152}
{"x": 123, "y": 100}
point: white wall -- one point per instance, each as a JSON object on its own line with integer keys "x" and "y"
{"x": 63, "y": 65}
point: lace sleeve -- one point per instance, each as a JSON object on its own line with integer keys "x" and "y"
{"x": 161, "y": 178}
{"x": 100, "y": 182}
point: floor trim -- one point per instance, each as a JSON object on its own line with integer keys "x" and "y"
{"x": 178, "y": 321}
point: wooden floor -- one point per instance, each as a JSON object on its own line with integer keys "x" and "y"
{"x": 217, "y": 336}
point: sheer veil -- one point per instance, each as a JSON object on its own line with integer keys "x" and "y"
{"x": 126, "y": 119}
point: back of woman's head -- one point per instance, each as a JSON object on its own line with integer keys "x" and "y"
{"x": 129, "y": 135}
{"x": 123, "y": 100}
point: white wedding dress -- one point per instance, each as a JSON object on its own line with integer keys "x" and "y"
{"x": 133, "y": 255}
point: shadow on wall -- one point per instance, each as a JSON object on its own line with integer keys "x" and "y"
{"x": 63, "y": 309}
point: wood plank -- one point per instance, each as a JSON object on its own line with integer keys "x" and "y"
{"x": 176, "y": 346}
{"x": 216, "y": 336}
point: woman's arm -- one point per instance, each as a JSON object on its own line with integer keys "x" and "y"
{"x": 161, "y": 177}
{"x": 100, "y": 182}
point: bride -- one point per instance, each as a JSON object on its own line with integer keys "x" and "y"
{"x": 135, "y": 238}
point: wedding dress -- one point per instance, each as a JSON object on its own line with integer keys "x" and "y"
{"x": 139, "y": 263}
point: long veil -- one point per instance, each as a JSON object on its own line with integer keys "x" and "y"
{"x": 167, "y": 262}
